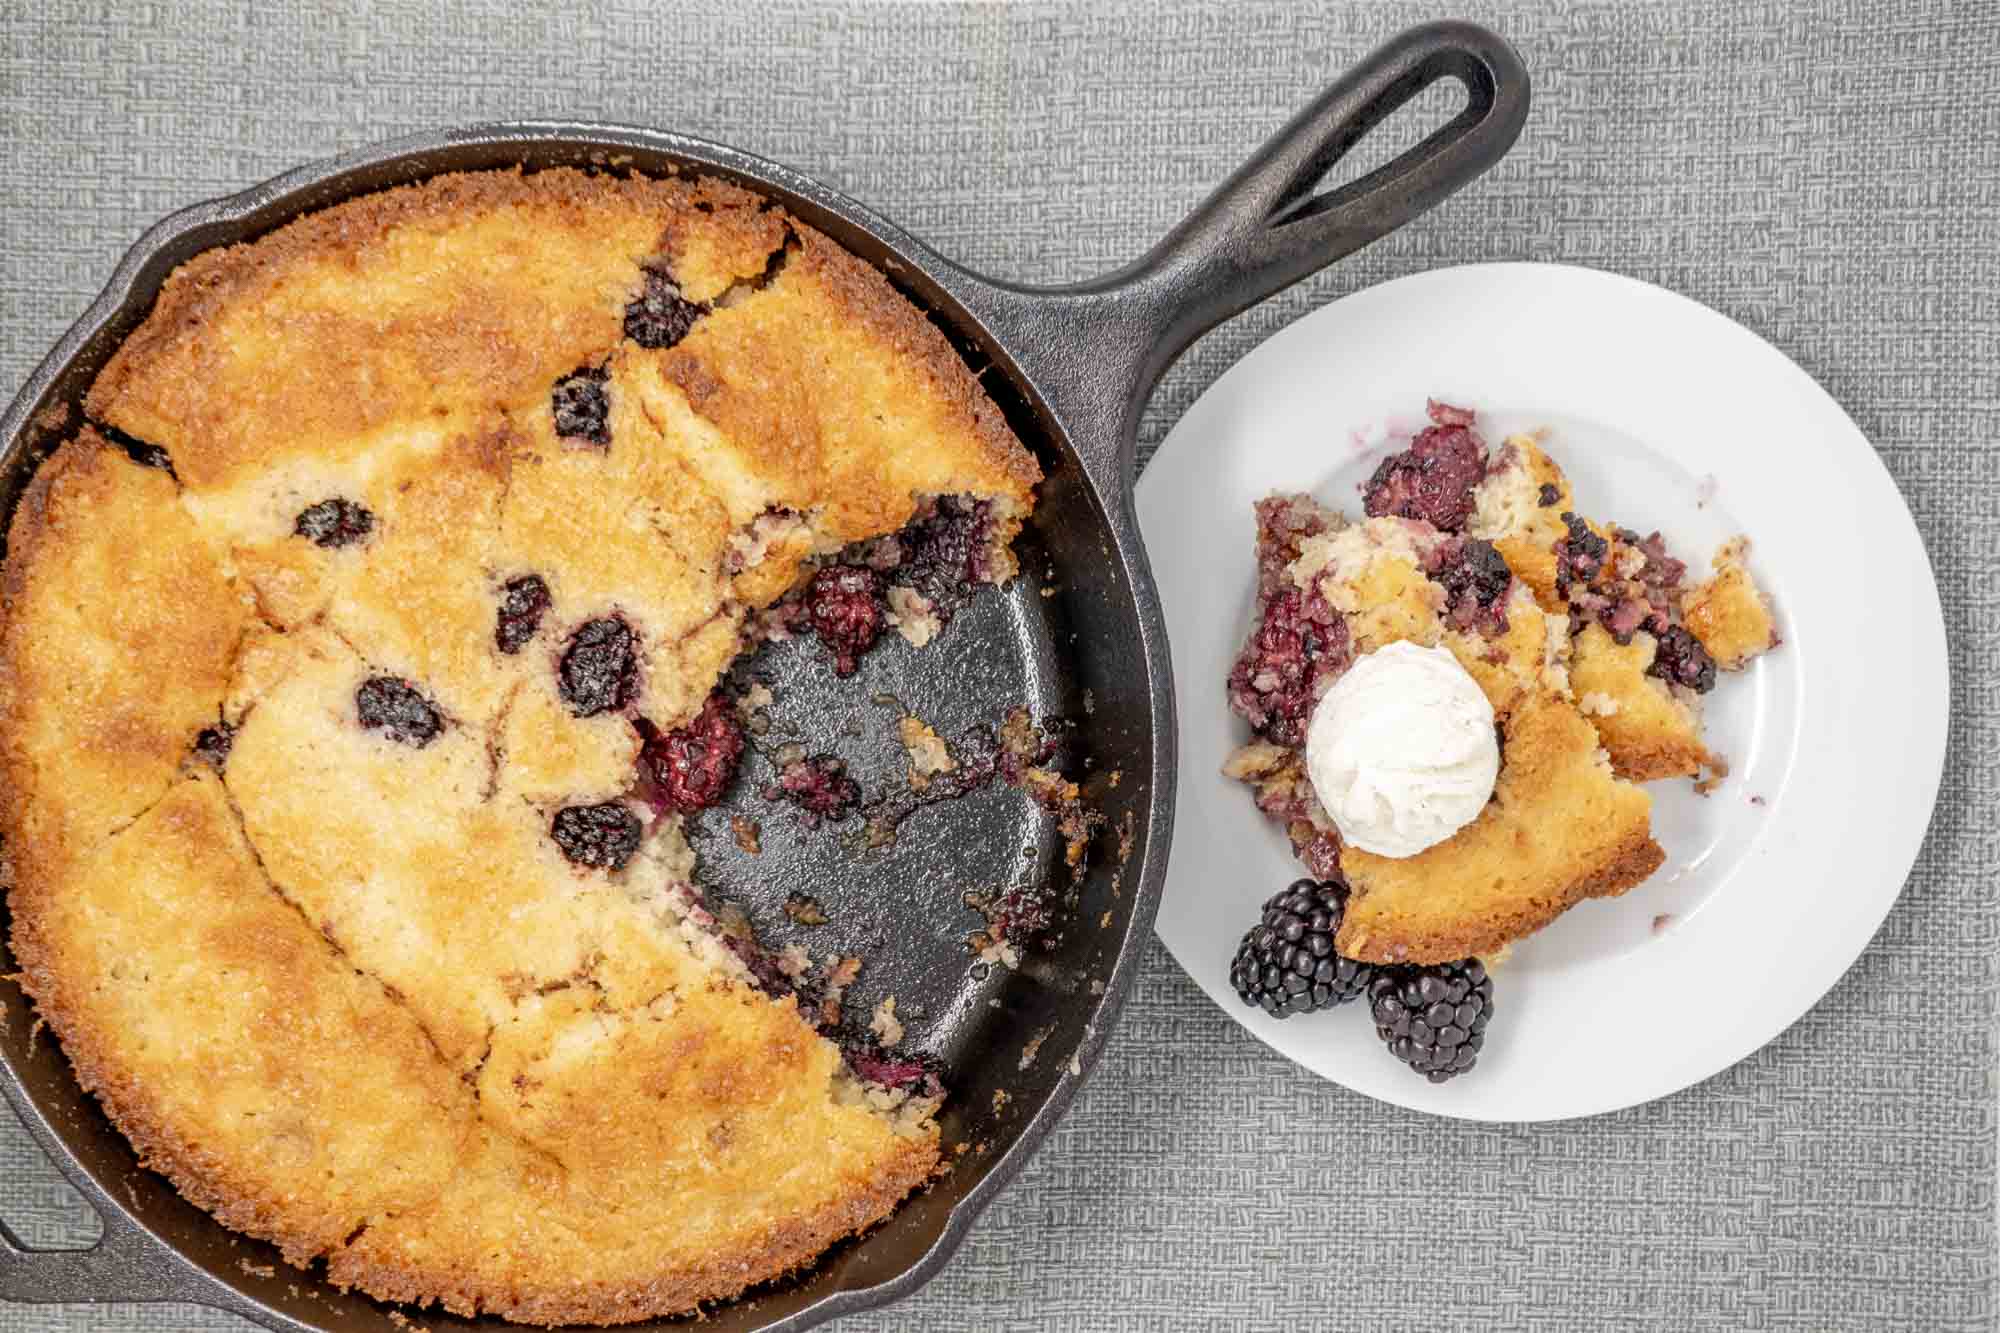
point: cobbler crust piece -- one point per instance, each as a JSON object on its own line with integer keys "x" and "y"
{"x": 335, "y": 863}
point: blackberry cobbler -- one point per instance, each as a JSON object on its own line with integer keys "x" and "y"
{"x": 1591, "y": 648}
{"x": 360, "y": 662}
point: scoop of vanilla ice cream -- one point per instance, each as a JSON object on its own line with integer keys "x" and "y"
{"x": 1401, "y": 750}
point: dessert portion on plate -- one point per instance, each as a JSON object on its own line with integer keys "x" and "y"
{"x": 1452, "y": 701}
{"x": 359, "y": 664}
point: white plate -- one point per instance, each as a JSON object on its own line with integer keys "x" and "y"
{"x": 1775, "y": 882}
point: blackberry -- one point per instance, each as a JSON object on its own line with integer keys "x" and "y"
{"x": 1298, "y": 643}
{"x": 819, "y": 786}
{"x": 582, "y": 407}
{"x": 599, "y": 668}
{"x": 1434, "y": 1017}
{"x": 1682, "y": 660}
{"x": 845, "y": 605}
{"x": 211, "y": 744}
{"x": 398, "y": 710}
{"x": 944, "y": 553}
{"x": 523, "y": 603}
{"x": 1433, "y": 479}
{"x": 1475, "y": 579}
{"x": 1580, "y": 555}
{"x": 660, "y": 316}
{"x": 600, "y": 836}
{"x": 332, "y": 523}
{"x": 1287, "y": 962}
{"x": 694, "y": 764}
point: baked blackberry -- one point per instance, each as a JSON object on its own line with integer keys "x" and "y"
{"x": 602, "y": 836}
{"x": 1434, "y": 478}
{"x": 693, "y": 765}
{"x": 1433, "y": 1017}
{"x": 523, "y": 603}
{"x": 397, "y": 709}
{"x": 212, "y": 744}
{"x": 1681, "y": 660}
{"x": 660, "y": 316}
{"x": 600, "y": 668}
{"x": 1287, "y": 964}
{"x": 844, "y": 603}
{"x": 582, "y": 406}
{"x": 334, "y": 523}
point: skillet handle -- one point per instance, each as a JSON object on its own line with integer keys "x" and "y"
{"x": 124, "y": 1265}
{"x": 1095, "y": 350}
{"x": 1264, "y": 229}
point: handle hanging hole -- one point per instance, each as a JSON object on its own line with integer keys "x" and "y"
{"x": 1378, "y": 143}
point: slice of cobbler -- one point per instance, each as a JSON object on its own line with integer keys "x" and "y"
{"x": 1582, "y": 635}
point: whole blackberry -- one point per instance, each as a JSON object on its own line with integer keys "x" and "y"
{"x": 1287, "y": 963}
{"x": 1433, "y": 1017}
{"x": 694, "y": 764}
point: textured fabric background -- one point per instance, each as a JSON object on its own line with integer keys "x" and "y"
{"x": 1829, "y": 175}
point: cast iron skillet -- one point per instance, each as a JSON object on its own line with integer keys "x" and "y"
{"x": 1079, "y": 636}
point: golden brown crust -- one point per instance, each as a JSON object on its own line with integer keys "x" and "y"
{"x": 113, "y": 651}
{"x": 469, "y": 1288}
{"x": 1649, "y": 731}
{"x": 1729, "y": 612}
{"x": 398, "y": 352}
{"x": 151, "y": 957}
{"x": 1559, "y": 829}
{"x": 791, "y": 379}
{"x": 463, "y": 294}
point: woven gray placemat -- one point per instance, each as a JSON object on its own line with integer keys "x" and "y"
{"x": 1829, "y": 175}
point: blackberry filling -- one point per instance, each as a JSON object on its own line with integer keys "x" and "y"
{"x": 1433, "y": 479}
{"x": 1681, "y": 660}
{"x": 944, "y": 553}
{"x": 397, "y": 709}
{"x": 1475, "y": 579}
{"x": 599, "y": 668}
{"x": 692, "y": 767}
{"x": 819, "y": 786}
{"x": 1579, "y": 556}
{"x": 334, "y": 523}
{"x": 1299, "y": 643}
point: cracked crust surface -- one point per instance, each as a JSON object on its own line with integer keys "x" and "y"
{"x": 538, "y": 1090}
